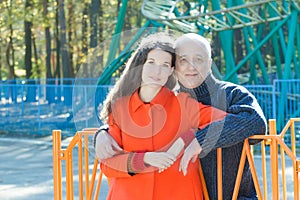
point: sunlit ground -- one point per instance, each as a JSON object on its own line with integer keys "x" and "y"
{"x": 26, "y": 170}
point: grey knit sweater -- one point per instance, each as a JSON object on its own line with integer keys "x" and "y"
{"x": 245, "y": 118}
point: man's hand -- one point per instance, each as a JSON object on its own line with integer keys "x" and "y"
{"x": 176, "y": 147}
{"x": 161, "y": 160}
{"x": 190, "y": 153}
{"x": 106, "y": 146}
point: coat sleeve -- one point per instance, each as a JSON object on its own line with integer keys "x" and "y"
{"x": 115, "y": 166}
{"x": 198, "y": 115}
{"x": 245, "y": 118}
{"x": 125, "y": 164}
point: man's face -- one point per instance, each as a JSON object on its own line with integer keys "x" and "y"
{"x": 192, "y": 63}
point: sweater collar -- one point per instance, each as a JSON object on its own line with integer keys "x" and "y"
{"x": 161, "y": 98}
{"x": 208, "y": 87}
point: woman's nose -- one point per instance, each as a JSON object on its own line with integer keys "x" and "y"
{"x": 157, "y": 69}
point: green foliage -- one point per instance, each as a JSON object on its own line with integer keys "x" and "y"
{"x": 80, "y": 52}
{"x": 13, "y": 15}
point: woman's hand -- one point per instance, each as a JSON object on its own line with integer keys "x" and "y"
{"x": 161, "y": 160}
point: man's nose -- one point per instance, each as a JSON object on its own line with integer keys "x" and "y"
{"x": 191, "y": 65}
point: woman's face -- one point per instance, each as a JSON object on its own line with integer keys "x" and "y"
{"x": 157, "y": 68}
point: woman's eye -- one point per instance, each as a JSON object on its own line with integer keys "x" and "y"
{"x": 166, "y": 66}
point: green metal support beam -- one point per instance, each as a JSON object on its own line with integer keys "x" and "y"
{"x": 118, "y": 29}
{"x": 259, "y": 45}
{"x": 116, "y": 63}
{"x": 226, "y": 42}
{"x": 259, "y": 58}
{"x": 297, "y": 68}
{"x": 287, "y": 65}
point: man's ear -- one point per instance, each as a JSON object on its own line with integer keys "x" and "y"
{"x": 210, "y": 62}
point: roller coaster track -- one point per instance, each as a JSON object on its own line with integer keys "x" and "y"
{"x": 237, "y": 16}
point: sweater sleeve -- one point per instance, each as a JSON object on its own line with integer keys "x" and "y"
{"x": 245, "y": 118}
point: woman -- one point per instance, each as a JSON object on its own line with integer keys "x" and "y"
{"x": 152, "y": 125}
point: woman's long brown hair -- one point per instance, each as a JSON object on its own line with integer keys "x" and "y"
{"x": 131, "y": 78}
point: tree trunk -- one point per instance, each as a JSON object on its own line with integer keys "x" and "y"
{"x": 48, "y": 40}
{"x": 84, "y": 38}
{"x": 10, "y": 55}
{"x": 28, "y": 42}
{"x": 101, "y": 28}
{"x": 63, "y": 40}
{"x": 95, "y": 9}
{"x": 0, "y": 60}
{"x": 36, "y": 58}
{"x": 70, "y": 38}
{"x": 31, "y": 90}
{"x": 10, "y": 51}
{"x": 57, "y": 41}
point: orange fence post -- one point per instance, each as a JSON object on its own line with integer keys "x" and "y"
{"x": 86, "y": 165}
{"x": 239, "y": 174}
{"x": 264, "y": 169}
{"x": 56, "y": 146}
{"x": 80, "y": 172}
{"x": 219, "y": 173}
{"x": 297, "y": 182}
{"x": 205, "y": 192}
{"x": 252, "y": 168}
{"x": 274, "y": 160}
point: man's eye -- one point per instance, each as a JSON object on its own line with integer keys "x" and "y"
{"x": 166, "y": 66}
{"x": 198, "y": 60}
{"x": 183, "y": 60}
{"x": 150, "y": 62}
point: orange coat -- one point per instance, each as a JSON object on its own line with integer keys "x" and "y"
{"x": 154, "y": 126}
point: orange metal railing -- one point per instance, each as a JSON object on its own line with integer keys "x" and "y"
{"x": 275, "y": 144}
{"x": 271, "y": 146}
{"x": 86, "y": 177}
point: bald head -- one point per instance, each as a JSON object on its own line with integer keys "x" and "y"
{"x": 196, "y": 39}
{"x": 193, "y": 59}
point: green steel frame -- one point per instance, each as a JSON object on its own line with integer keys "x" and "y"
{"x": 205, "y": 16}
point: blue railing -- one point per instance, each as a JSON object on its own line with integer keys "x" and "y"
{"x": 35, "y": 106}
{"x": 40, "y": 108}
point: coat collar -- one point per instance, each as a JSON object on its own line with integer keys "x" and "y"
{"x": 161, "y": 98}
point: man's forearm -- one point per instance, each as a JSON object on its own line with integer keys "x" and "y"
{"x": 102, "y": 128}
{"x": 234, "y": 129}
